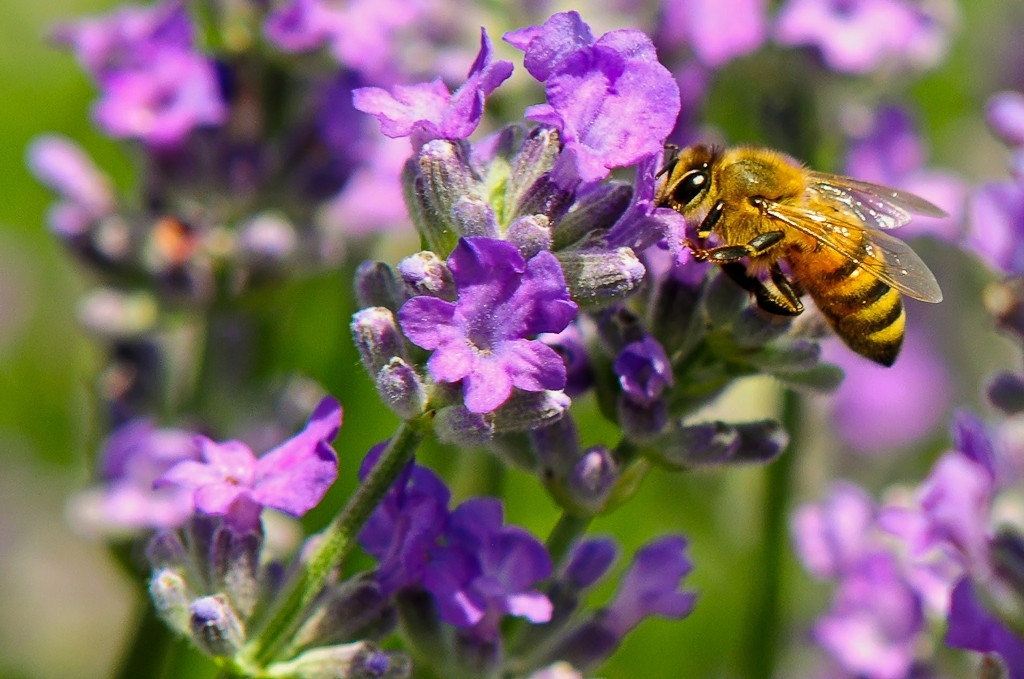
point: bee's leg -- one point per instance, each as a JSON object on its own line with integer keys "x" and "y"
{"x": 771, "y": 299}
{"x": 731, "y": 253}
{"x": 788, "y": 293}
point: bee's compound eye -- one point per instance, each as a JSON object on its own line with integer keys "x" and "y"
{"x": 691, "y": 185}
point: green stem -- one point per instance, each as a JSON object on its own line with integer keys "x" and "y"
{"x": 335, "y": 544}
{"x": 564, "y": 534}
{"x": 765, "y": 618}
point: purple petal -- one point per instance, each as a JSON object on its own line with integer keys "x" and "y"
{"x": 533, "y": 365}
{"x": 547, "y": 46}
{"x": 216, "y": 498}
{"x": 405, "y": 107}
{"x": 427, "y": 321}
{"x": 190, "y": 474}
{"x": 231, "y": 459}
{"x": 488, "y": 386}
{"x": 716, "y": 30}
{"x": 533, "y": 606}
{"x": 294, "y": 476}
{"x": 64, "y": 166}
{"x": 995, "y": 222}
{"x": 956, "y": 497}
{"x": 650, "y": 586}
{"x": 972, "y": 626}
{"x": 453, "y": 361}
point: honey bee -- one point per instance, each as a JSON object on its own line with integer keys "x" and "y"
{"x": 766, "y": 208}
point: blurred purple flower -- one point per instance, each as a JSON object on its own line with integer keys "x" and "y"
{"x": 131, "y": 459}
{"x": 571, "y": 345}
{"x": 371, "y": 200}
{"x": 154, "y": 86}
{"x": 875, "y": 621}
{"x": 291, "y": 478}
{"x": 87, "y": 194}
{"x": 833, "y": 535}
{"x": 644, "y": 370}
{"x": 485, "y": 570}
{"x": 1005, "y": 115}
{"x": 870, "y": 409}
{"x": 858, "y": 36}
{"x": 613, "y": 103}
{"x": 428, "y": 110}
{"x": 715, "y": 30}
{"x": 890, "y": 152}
{"x": 651, "y": 586}
{"x": 995, "y": 225}
{"x": 481, "y": 339}
{"x": 972, "y": 626}
{"x": 590, "y": 560}
{"x": 362, "y": 34}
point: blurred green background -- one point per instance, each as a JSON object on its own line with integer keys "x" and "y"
{"x": 65, "y": 609}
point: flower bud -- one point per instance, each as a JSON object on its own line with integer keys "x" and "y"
{"x": 458, "y": 426}
{"x": 115, "y": 314}
{"x": 425, "y": 273}
{"x": 356, "y": 609}
{"x": 475, "y": 217}
{"x": 234, "y": 566}
{"x": 401, "y": 389}
{"x": 444, "y": 176}
{"x": 641, "y": 421}
{"x": 377, "y": 285}
{"x": 545, "y": 198}
{"x": 215, "y": 627}
{"x": 537, "y": 156}
{"x": 592, "y": 479}
{"x": 597, "y": 279}
{"x": 377, "y": 338}
{"x": 361, "y": 660}
{"x": 530, "y": 234}
{"x": 595, "y": 210}
{"x": 526, "y": 410}
{"x": 713, "y": 444}
{"x": 171, "y": 597}
{"x": 1006, "y": 392}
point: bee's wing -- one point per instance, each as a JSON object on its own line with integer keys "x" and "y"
{"x": 881, "y": 207}
{"x": 894, "y": 263}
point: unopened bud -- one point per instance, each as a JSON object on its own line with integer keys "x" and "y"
{"x": 713, "y": 444}
{"x": 171, "y": 597}
{"x": 475, "y": 217}
{"x": 536, "y": 156}
{"x": 527, "y": 410}
{"x": 377, "y": 338}
{"x": 594, "y": 211}
{"x": 597, "y": 279}
{"x": 426, "y": 274}
{"x": 401, "y": 389}
{"x": 377, "y": 285}
{"x": 215, "y": 627}
{"x": 443, "y": 178}
{"x": 361, "y": 660}
{"x": 530, "y": 234}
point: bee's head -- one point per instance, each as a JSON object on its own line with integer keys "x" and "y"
{"x": 688, "y": 178}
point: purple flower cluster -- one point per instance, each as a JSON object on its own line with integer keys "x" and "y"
{"x": 476, "y": 568}
{"x": 155, "y": 86}
{"x": 859, "y": 36}
{"x": 927, "y": 554}
{"x": 995, "y": 212}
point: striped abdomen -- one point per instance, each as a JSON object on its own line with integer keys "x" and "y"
{"x": 866, "y": 313}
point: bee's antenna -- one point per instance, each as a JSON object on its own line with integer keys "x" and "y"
{"x": 671, "y": 156}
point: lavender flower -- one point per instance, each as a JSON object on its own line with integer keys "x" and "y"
{"x": 995, "y": 215}
{"x": 428, "y": 110}
{"x": 716, "y": 31}
{"x": 292, "y": 477}
{"x": 1005, "y": 114}
{"x": 650, "y": 586}
{"x": 610, "y": 99}
{"x": 870, "y": 410}
{"x": 155, "y": 87}
{"x": 890, "y": 152}
{"x": 131, "y": 459}
{"x": 643, "y": 369}
{"x": 87, "y": 194}
{"x": 486, "y": 570}
{"x": 973, "y": 626}
{"x": 858, "y": 36}
{"x": 481, "y": 339}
